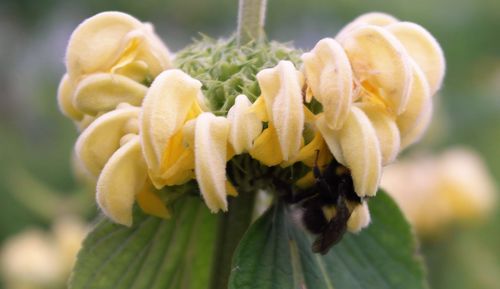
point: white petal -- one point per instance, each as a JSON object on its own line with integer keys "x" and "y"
{"x": 415, "y": 120}
{"x": 211, "y": 134}
{"x": 111, "y": 40}
{"x": 329, "y": 76}
{"x": 101, "y": 139}
{"x": 96, "y": 43}
{"x": 372, "y": 18}
{"x": 65, "y": 94}
{"x": 331, "y": 138}
{"x": 386, "y": 129}
{"x": 281, "y": 87}
{"x": 245, "y": 125}
{"x": 103, "y": 92}
{"x": 380, "y": 61}
{"x": 424, "y": 49}
{"x": 164, "y": 111}
{"x": 360, "y": 218}
{"x": 123, "y": 176}
{"x": 361, "y": 152}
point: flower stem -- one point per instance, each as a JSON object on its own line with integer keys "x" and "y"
{"x": 251, "y": 15}
{"x": 232, "y": 225}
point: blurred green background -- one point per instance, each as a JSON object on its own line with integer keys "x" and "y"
{"x": 36, "y": 140}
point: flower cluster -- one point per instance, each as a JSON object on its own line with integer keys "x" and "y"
{"x": 359, "y": 98}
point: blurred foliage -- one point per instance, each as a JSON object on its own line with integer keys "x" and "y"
{"x": 36, "y": 139}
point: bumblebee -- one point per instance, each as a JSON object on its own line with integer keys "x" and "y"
{"x": 327, "y": 205}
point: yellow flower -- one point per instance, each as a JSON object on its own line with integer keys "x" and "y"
{"x": 108, "y": 59}
{"x": 37, "y": 259}
{"x": 281, "y": 105}
{"x": 434, "y": 191}
{"x": 171, "y": 101}
{"x": 375, "y": 82}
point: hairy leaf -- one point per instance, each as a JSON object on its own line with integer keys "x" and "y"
{"x": 276, "y": 253}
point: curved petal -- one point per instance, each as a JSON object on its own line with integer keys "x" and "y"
{"x": 415, "y": 120}
{"x": 164, "y": 111}
{"x": 331, "y": 138}
{"x": 361, "y": 152}
{"x": 417, "y": 132}
{"x": 123, "y": 176}
{"x": 136, "y": 70}
{"x": 245, "y": 125}
{"x": 359, "y": 219}
{"x": 329, "y": 75}
{"x": 380, "y": 64}
{"x": 211, "y": 134}
{"x": 371, "y": 18}
{"x": 96, "y": 44}
{"x": 103, "y": 92}
{"x": 386, "y": 129}
{"x": 281, "y": 87}
{"x": 65, "y": 93}
{"x": 102, "y": 137}
{"x": 153, "y": 51}
{"x": 424, "y": 49}
{"x": 111, "y": 40}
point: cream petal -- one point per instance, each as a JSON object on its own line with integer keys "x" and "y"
{"x": 137, "y": 71}
{"x": 154, "y": 52}
{"x": 102, "y": 137}
{"x": 245, "y": 125}
{"x": 386, "y": 129}
{"x": 415, "y": 120}
{"x": 65, "y": 93}
{"x": 211, "y": 135}
{"x": 96, "y": 43}
{"x": 331, "y": 138}
{"x": 361, "y": 152}
{"x": 417, "y": 132}
{"x": 359, "y": 219}
{"x": 380, "y": 61}
{"x": 281, "y": 87}
{"x": 164, "y": 111}
{"x": 329, "y": 75}
{"x": 424, "y": 49}
{"x": 123, "y": 176}
{"x": 372, "y": 18}
{"x": 103, "y": 92}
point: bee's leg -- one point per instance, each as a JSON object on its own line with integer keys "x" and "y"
{"x": 335, "y": 229}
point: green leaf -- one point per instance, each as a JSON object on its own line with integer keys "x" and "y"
{"x": 152, "y": 254}
{"x": 276, "y": 253}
